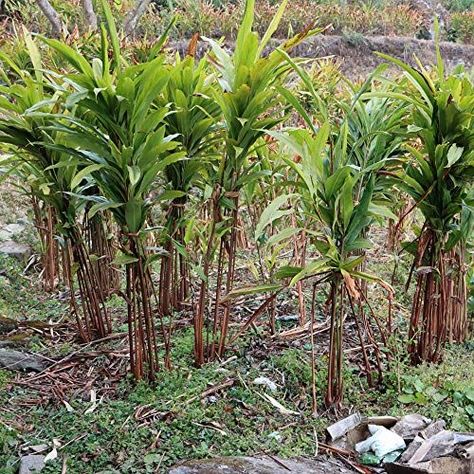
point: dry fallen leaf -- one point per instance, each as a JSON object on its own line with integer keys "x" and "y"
{"x": 94, "y": 402}
{"x": 278, "y": 405}
{"x": 69, "y": 408}
{"x": 53, "y": 454}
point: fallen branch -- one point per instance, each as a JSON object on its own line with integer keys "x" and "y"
{"x": 213, "y": 389}
{"x": 254, "y": 316}
{"x": 346, "y": 457}
{"x": 295, "y": 332}
{"x": 274, "y": 459}
{"x": 83, "y": 348}
{"x": 216, "y": 388}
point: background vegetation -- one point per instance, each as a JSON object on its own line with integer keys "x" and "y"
{"x": 221, "y": 18}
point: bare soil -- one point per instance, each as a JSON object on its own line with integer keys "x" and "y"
{"x": 357, "y": 55}
{"x": 358, "y": 60}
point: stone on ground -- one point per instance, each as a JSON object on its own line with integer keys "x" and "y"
{"x": 31, "y": 464}
{"x": 16, "y": 360}
{"x": 15, "y": 250}
{"x": 262, "y": 465}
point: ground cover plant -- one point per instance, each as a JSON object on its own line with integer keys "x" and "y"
{"x": 206, "y": 223}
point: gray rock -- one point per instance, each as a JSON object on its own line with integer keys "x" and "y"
{"x": 5, "y": 235}
{"x": 261, "y": 465}
{"x": 39, "y": 448}
{"x": 31, "y": 464}
{"x": 15, "y": 250}
{"x": 16, "y": 360}
{"x": 11, "y": 230}
{"x": 410, "y": 425}
{"x": 14, "y": 229}
{"x": 23, "y": 221}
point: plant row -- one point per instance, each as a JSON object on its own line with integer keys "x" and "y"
{"x": 150, "y": 177}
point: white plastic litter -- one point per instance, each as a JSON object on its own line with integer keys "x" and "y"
{"x": 382, "y": 441}
{"x": 270, "y": 384}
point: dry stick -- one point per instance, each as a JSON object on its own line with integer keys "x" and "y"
{"x": 128, "y": 291}
{"x": 373, "y": 343}
{"x": 50, "y": 246}
{"x": 166, "y": 333}
{"x": 299, "y": 286}
{"x": 423, "y": 242}
{"x": 164, "y": 281}
{"x": 87, "y": 292}
{"x": 313, "y": 361}
{"x": 135, "y": 310}
{"x": 372, "y": 312}
{"x": 458, "y": 327}
{"x": 136, "y": 324}
{"x": 86, "y": 282}
{"x": 216, "y": 318}
{"x": 172, "y": 278}
{"x": 370, "y": 334}
{"x": 141, "y": 318}
{"x": 198, "y": 320}
{"x": 139, "y": 323}
{"x": 261, "y": 265}
{"x": 452, "y": 298}
{"x": 361, "y": 339}
{"x": 64, "y": 264}
{"x": 340, "y": 336}
{"x": 212, "y": 390}
{"x": 230, "y": 273}
{"x": 184, "y": 270}
{"x": 216, "y": 388}
{"x": 254, "y": 316}
{"x": 330, "y": 387}
{"x": 424, "y": 340}
{"x": 96, "y": 296}
{"x": 72, "y": 298}
{"x": 148, "y": 317}
{"x": 273, "y": 458}
{"x": 86, "y": 311}
{"x": 75, "y": 353}
{"x": 299, "y": 333}
{"x": 443, "y": 307}
{"x": 414, "y": 317}
{"x": 174, "y": 272}
{"x": 424, "y": 351}
{"x": 454, "y": 292}
{"x": 41, "y": 227}
{"x": 344, "y": 455}
{"x": 99, "y": 244}
{"x": 390, "y": 317}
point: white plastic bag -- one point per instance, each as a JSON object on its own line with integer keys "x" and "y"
{"x": 382, "y": 441}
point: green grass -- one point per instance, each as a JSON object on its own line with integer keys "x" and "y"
{"x": 20, "y": 297}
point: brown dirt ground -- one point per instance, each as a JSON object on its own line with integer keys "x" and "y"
{"x": 357, "y": 55}
{"x": 358, "y": 60}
